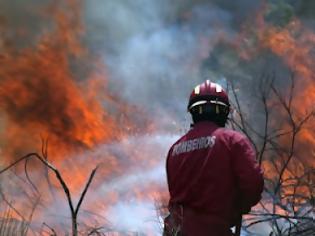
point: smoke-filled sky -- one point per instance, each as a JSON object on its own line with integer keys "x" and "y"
{"x": 154, "y": 52}
{"x": 154, "y": 49}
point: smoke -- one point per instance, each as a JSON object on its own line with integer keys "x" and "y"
{"x": 154, "y": 49}
{"x": 155, "y": 52}
{"x": 120, "y": 200}
{"x": 140, "y": 186}
{"x": 24, "y": 19}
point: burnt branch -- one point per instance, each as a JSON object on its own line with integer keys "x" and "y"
{"x": 10, "y": 205}
{"x": 53, "y": 232}
{"x": 85, "y": 189}
{"x": 28, "y": 177}
{"x": 288, "y": 203}
{"x": 74, "y": 210}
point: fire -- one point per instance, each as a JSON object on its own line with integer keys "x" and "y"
{"x": 41, "y": 93}
{"x": 56, "y": 90}
{"x": 294, "y": 44}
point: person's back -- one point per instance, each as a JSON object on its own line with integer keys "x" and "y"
{"x": 212, "y": 175}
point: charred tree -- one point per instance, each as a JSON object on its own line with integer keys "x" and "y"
{"x": 288, "y": 201}
{"x": 74, "y": 209}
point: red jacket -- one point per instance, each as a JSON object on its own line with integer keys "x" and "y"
{"x": 213, "y": 174}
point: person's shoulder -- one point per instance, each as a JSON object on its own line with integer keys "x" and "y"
{"x": 230, "y": 134}
{"x": 182, "y": 138}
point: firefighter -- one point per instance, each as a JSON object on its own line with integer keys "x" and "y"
{"x": 212, "y": 173}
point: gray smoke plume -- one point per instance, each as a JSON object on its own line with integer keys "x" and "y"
{"x": 154, "y": 49}
{"x": 155, "y": 53}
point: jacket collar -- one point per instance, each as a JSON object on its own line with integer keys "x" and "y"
{"x": 201, "y": 124}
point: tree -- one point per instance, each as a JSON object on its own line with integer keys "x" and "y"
{"x": 74, "y": 209}
{"x": 287, "y": 205}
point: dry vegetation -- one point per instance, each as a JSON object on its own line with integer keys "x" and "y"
{"x": 287, "y": 206}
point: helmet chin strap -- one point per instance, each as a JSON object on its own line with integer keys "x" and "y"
{"x": 200, "y": 109}
{"x": 217, "y": 111}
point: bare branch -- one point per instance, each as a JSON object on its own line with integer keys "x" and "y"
{"x": 74, "y": 211}
{"x": 85, "y": 190}
{"x": 51, "y": 229}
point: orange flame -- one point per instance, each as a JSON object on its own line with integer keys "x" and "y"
{"x": 57, "y": 90}
{"x": 41, "y": 92}
{"x": 294, "y": 44}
